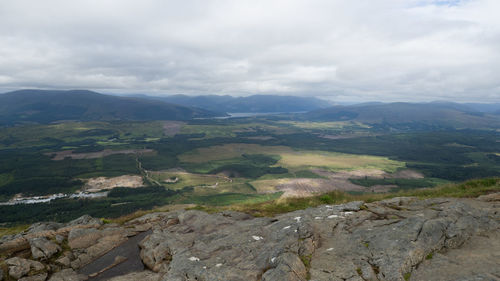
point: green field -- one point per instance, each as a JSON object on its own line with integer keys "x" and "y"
{"x": 293, "y": 159}
{"x": 226, "y": 161}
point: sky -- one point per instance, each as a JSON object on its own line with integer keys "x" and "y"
{"x": 356, "y": 50}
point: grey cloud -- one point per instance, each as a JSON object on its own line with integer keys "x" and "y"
{"x": 343, "y": 50}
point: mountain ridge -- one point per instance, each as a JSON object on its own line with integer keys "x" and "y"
{"x": 253, "y": 103}
{"x": 434, "y": 113}
{"x": 45, "y": 106}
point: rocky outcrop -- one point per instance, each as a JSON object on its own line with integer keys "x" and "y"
{"x": 395, "y": 239}
{"x": 387, "y": 240}
{"x": 19, "y": 267}
{"x": 42, "y": 248}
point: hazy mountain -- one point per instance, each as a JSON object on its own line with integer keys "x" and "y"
{"x": 435, "y": 113}
{"x": 255, "y": 103}
{"x": 48, "y": 106}
{"x": 485, "y": 107}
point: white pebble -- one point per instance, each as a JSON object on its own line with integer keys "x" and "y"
{"x": 287, "y": 227}
{"x": 272, "y": 259}
{"x": 318, "y": 218}
{"x": 297, "y": 219}
{"x": 194, "y": 259}
{"x": 218, "y": 265}
{"x": 333, "y": 216}
{"x": 329, "y": 249}
{"x": 257, "y": 238}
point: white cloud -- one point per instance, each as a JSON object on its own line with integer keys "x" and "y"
{"x": 344, "y": 50}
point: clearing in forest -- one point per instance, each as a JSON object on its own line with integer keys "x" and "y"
{"x": 293, "y": 159}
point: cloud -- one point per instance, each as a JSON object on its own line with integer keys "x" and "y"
{"x": 388, "y": 50}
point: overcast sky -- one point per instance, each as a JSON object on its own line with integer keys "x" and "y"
{"x": 345, "y": 50}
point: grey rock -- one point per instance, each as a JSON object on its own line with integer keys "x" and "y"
{"x": 83, "y": 237}
{"x": 134, "y": 276}
{"x": 476, "y": 259}
{"x": 64, "y": 261}
{"x": 19, "y": 267}
{"x": 59, "y": 239}
{"x": 85, "y": 220}
{"x": 490, "y": 197}
{"x": 38, "y": 277}
{"x": 392, "y": 239}
{"x": 43, "y": 227}
{"x": 42, "y": 248}
{"x": 288, "y": 267}
{"x": 68, "y": 275}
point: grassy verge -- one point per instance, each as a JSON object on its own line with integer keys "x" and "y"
{"x": 12, "y": 230}
{"x": 472, "y": 188}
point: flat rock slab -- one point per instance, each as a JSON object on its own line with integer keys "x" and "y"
{"x": 129, "y": 250}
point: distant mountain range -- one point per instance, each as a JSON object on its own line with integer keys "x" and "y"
{"x": 435, "y": 113}
{"x": 44, "y": 106}
{"x": 254, "y": 104}
{"x": 48, "y": 106}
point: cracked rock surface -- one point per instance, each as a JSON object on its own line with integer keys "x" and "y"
{"x": 395, "y": 239}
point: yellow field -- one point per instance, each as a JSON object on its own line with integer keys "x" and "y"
{"x": 294, "y": 159}
{"x": 337, "y": 161}
{"x": 325, "y": 125}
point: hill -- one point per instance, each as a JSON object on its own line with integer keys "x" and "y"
{"x": 255, "y": 103}
{"x": 43, "y": 106}
{"x": 431, "y": 114}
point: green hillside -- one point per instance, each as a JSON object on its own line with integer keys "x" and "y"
{"x": 49, "y": 106}
{"x": 409, "y": 114}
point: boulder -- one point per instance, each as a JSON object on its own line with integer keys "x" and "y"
{"x": 155, "y": 252}
{"x": 64, "y": 261}
{"x": 85, "y": 220}
{"x": 13, "y": 245}
{"x": 42, "y": 248}
{"x": 41, "y": 227}
{"x": 68, "y": 275}
{"x": 19, "y": 267}
{"x": 38, "y": 277}
{"x": 493, "y": 197}
{"x": 80, "y": 238}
